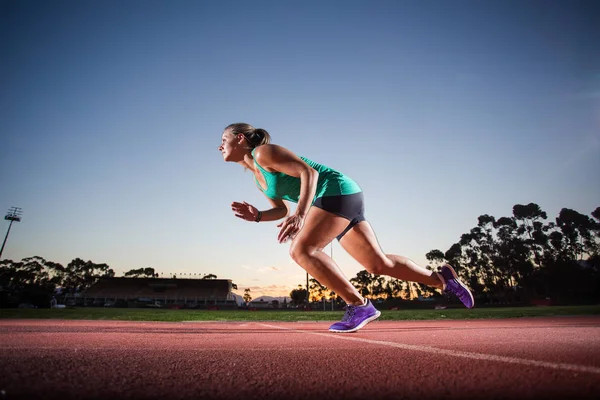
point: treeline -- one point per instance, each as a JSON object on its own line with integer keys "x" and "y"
{"x": 34, "y": 280}
{"x": 522, "y": 258}
{"x": 517, "y": 259}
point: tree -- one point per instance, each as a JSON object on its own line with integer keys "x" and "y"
{"x": 407, "y": 290}
{"x": 80, "y": 275}
{"x": 522, "y": 256}
{"x": 298, "y": 295}
{"x": 578, "y": 232}
{"x": 141, "y": 273}
{"x": 378, "y": 285}
{"x": 334, "y": 297}
{"x": 247, "y": 297}
{"x": 317, "y": 291}
{"x": 453, "y": 254}
{"x": 362, "y": 282}
{"x": 393, "y": 288}
{"x": 33, "y": 280}
{"x": 529, "y": 216}
{"x": 436, "y": 257}
{"x": 596, "y": 230}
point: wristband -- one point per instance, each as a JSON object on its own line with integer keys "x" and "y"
{"x": 258, "y": 217}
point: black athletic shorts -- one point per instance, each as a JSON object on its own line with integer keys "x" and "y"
{"x": 349, "y": 206}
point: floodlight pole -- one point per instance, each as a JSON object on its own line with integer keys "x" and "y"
{"x": 13, "y": 214}
{"x": 307, "y": 291}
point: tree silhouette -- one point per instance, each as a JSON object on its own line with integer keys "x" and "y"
{"x": 435, "y": 256}
{"x": 298, "y": 295}
{"x": 247, "y": 297}
{"x": 80, "y": 275}
{"x": 141, "y": 273}
{"x": 317, "y": 291}
{"x": 521, "y": 256}
{"x": 35, "y": 279}
{"x": 579, "y": 232}
{"x": 518, "y": 258}
{"x": 530, "y": 215}
{"x": 362, "y": 282}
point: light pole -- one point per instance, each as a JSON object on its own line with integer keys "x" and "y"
{"x": 307, "y": 291}
{"x": 13, "y": 214}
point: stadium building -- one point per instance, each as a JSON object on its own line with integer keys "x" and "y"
{"x": 158, "y": 293}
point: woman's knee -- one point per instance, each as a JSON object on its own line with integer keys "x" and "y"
{"x": 300, "y": 251}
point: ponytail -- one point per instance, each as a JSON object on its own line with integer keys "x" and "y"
{"x": 258, "y": 137}
{"x": 255, "y": 136}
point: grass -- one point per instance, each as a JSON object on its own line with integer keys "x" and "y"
{"x": 133, "y": 314}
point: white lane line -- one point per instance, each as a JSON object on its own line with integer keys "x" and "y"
{"x": 452, "y": 353}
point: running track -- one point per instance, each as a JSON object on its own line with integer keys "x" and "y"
{"x": 525, "y": 358}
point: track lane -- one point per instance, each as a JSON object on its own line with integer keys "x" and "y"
{"x": 118, "y": 359}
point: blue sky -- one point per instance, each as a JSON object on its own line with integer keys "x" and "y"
{"x": 112, "y": 113}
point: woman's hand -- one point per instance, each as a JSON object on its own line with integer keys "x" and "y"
{"x": 245, "y": 211}
{"x": 290, "y": 228}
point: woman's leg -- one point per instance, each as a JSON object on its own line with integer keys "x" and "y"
{"x": 361, "y": 243}
{"x": 320, "y": 228}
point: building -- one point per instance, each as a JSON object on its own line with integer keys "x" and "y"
{"x": 158, "y": 292}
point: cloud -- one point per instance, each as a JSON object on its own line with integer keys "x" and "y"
{"x": 269, "y": 290}
{"x": 261, "y": 270}
{"x": 297, "y": 277}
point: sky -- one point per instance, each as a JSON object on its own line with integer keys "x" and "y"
{"x": 112, "y": 112}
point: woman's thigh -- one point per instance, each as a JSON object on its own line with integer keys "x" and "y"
{"x": 361, "y": 243}
{"x": 320, "y": 228}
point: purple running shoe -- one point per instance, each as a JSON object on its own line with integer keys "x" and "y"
{"x": 355, "y": 318}
{"x": 456, "y": 287}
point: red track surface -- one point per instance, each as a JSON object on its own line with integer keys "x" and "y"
{"x": 533, "y": 358}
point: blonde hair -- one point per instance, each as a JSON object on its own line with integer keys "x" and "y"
{"x": 255, "y": 136}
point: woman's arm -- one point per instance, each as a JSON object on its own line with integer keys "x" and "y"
{"x": 248, "y": 212}
{"x": 280, "y": 210}
{"x": 277, "y": 158}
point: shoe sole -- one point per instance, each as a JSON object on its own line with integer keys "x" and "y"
{"x": 366, "y": 321}
{"x": 461, "y": 284}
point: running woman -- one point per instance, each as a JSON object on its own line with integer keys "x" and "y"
{"x": 329, "y": 206}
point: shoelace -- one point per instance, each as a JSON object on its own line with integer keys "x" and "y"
{"x": 349, "y": 313}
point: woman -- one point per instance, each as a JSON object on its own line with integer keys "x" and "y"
{"x": 330, "y": 205}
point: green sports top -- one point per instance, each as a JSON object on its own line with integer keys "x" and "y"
{"x": 286, "y": 187}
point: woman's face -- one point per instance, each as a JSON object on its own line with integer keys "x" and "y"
{"x": 230, "y": 147}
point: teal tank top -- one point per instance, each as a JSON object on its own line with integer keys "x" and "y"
{"x": 286, "y": 187}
